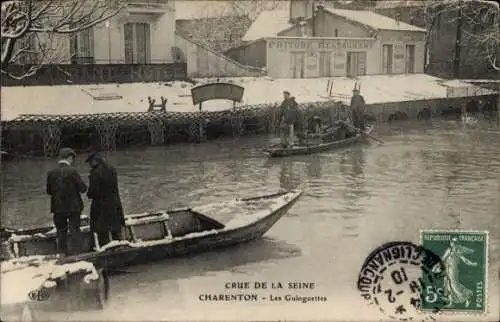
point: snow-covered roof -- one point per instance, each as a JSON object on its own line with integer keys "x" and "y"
{"x": 373, "y": 20}
{"x": 268, "y": 24}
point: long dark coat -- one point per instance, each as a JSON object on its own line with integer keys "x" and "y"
{"x": 290, "y": 114}
{"x": 106, "y": 211}
{"x": 358, "y": 110}
{"x": 65, "y": 186}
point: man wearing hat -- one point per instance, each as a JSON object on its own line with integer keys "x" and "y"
{"x": 65, "y": 186}
{"x": 106, "y": 211}
{"x": 357, "y": 108}
{"x": 289, "y": 119}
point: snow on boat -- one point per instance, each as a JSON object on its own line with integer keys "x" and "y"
{"x": 164, "y": 234}
{"x": 278, "y": 151}
{"x": 35, "y": 285}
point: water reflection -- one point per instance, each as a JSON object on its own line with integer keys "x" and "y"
{"x": 314, "y": 167}
{"x": 352, "y": 163}
{"x": 289, "y": 176}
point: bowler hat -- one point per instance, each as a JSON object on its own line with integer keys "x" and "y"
{"x": 67, "y": 152}
{"x": 93, "y": 156}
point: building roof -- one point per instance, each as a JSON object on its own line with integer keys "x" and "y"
{"x": 268, "y": 24}
{"x": 373, "y": 20}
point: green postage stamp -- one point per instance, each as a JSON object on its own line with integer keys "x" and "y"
{"x": 462, "y": 286}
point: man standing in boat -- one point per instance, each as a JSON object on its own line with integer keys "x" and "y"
{"x": 65, "y": 186}
{"x": 106, "y": 211}
{"x": 358, "y": 108}
{"x": 289, "y": 119}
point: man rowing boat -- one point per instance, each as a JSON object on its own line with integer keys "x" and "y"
{"x": 357, "y": 108}
{"x": 289, "y": 120}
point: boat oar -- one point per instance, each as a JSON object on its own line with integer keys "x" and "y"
{"x": 362, "y": 132}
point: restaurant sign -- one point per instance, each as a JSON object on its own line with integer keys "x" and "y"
{"x": 319, "y": 44}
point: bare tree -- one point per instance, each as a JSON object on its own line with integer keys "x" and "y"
{"x": 477, "y": 26}
{"x": 36, "y": 30}
{"x": 252, "y": 8}
{"x": 224, "y": 23}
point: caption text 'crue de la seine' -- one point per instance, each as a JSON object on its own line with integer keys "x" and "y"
{"x": 282, "y": 292}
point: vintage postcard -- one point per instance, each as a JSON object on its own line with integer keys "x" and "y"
{"x": 264, "y": 160}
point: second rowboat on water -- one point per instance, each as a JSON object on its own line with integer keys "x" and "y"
{"x": 164, "y": 234}
{"x": 279, "y": 151}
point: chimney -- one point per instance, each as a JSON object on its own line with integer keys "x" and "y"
{"x": 299, "y": 8}
{"x": 302, "y": 27}
{"x": 320, "y": 5}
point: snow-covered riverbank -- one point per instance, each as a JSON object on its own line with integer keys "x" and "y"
{"x": 90, "y": 99}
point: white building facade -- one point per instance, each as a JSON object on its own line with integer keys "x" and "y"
{"x": 142, "y": 33}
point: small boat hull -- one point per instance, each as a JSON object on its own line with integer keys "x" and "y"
{"x": 156, "y": 236}
{"x": 277, "y": 151}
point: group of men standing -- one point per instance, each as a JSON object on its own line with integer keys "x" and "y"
{"x": 65, "y": 187}
{"x": 291, "y": 119}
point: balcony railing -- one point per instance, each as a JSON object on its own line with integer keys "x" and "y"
{"x": 82, "y": 60}
{"x": 148, "y": 4}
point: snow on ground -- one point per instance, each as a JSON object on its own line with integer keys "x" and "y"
{"x": 79, "y": 99}
{"x": 21, "y": 275}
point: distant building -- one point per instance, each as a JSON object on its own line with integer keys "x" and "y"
{"x": 217, "y": 33}
{"x": 142, "y": 33}
{"x": 315, "y": 41}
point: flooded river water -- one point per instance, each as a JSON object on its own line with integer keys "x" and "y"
{"x": 426, "y": 176}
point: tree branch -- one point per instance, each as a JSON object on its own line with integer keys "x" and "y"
{"x": 52, "y": 19}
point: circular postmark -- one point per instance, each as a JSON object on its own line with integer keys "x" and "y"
{"x": 394, "y": 277}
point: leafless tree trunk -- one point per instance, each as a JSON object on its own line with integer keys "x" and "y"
{"x": 225, "y": 21}
{"x": 477, "y": 23}
{"x": 38, "y": 27}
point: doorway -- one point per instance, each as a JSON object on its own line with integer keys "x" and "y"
{"x": 356, "y": 63}
{"x": 325, "y": 64}
{"x": 387, "y": 51}
{"x": 137, "y": 43}
{"x": 297, "y": 60}
{"x": 410, "y": 59}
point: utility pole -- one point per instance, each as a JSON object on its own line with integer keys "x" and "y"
{"x": 458, "y": 40}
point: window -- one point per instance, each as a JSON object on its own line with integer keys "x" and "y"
{"x": 82, "y": 47}
{"x": 137, "y": 41}
{"x": 27, "y": 42}
{"x": 336, "y": 32}
{"x": 387, "y": 51}
{"x": 410, "y": 59}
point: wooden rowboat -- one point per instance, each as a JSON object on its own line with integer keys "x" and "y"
{"x": 159, "y": 235}
{"x": 278, "y": 151}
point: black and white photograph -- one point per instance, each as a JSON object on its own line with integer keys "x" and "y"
{"x": 250, "y": 160}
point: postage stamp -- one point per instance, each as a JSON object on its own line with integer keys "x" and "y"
{"x": 463, "y": 284}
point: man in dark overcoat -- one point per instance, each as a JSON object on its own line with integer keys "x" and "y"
{"x": 358, "y": 109}
{"x": 289, "y": 120}
{"x": 65, "y": 186}
{"x": 106, "y": 211}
